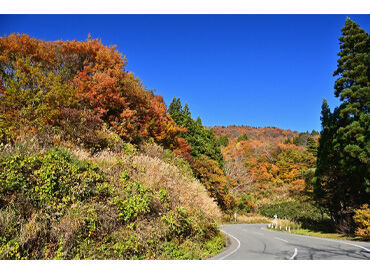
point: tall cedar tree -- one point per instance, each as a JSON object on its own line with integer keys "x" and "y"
{"x": 341, "y": 182}
{"x": 311, "y": 145}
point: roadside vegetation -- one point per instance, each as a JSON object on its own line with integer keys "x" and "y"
{"x": 288, "y": 226}
{"x": 246, "y": 219}
{"x": 59, "y": 203}
{"x": 93, "y": 165}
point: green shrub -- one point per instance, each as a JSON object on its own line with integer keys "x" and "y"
{"x": 243, "y": 137}
{"x": 179, "y": 223}
{"x": 223, "y": 141}
{"x": 49, "y": 181}
{"x": 54, "y": 206}
{"x": 245, "y": 204}
{"x": 305, "y": 213}
{"x": 135, "y": 202}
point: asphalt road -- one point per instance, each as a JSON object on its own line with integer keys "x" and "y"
{"x": 255, "y": 242}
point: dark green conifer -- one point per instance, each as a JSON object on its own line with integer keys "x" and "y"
{"x": 343, "y": 165}
{"x": 311, "y": 146}
{"x": 202, "y": 141}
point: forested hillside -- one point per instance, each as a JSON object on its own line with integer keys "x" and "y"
{"x": 94, "y": 165}
{"x": 91, "y": 164}
{"x": 270, "y": 165}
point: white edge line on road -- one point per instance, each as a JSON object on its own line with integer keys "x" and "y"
{"x": 232, "y": 252}
{"x": 325, "y": 239}
{"x": 295, "y": 254}
{"x": 281, "y": 239}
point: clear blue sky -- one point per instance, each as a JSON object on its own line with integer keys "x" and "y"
{"x": 258, "y": 70}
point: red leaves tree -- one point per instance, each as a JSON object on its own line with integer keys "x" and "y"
{"x": 41, "y": 83}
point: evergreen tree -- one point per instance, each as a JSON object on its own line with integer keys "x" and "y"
{"x": 243, "y": 137}
{"x": 223, "y": 141}
{"x": 175, "y": 109}
{"x": 314, "y": 133}
{"x": 311, "y": 146}
{"x": 186, "y": 110}
{"x": 342, "y": 176}
{"x": 202, "y": 141}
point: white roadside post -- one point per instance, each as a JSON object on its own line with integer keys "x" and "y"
{"x": 275, "y": 216}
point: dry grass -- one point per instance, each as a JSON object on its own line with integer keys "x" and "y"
{"x": 183, "y": 190}
{"x": 247, "y": 219}
{"x": 150, "y": 168}
{"x": 92, "y": 228}
{"x": 297, "y": 229}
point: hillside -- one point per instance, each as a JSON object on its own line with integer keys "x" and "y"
{"x": 94, "y": 165}
{"x": 272, "y": 167}
{"x": 91, "y": 164}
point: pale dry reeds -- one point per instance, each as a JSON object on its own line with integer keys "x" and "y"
{"x": 183, "y": 190}
{"x": 149, "y": 168}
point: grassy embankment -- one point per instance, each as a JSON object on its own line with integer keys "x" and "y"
{"x": 64, "y": 203}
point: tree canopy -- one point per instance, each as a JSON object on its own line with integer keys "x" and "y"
{"x": 342, "y": 176}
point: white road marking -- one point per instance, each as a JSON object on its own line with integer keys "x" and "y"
{"x": 359, "y": 246}
{"x": 281, "y": 239}
{"x": 232, "y": 252}
{"x": 295, "y": 254}
{"x": 325, "y": 239}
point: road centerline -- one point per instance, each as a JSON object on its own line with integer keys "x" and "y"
{"x": 295, "y": 254}
{"x": 281, "y": 239}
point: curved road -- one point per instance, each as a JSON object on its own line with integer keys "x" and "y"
{"x": 255, "y": 242}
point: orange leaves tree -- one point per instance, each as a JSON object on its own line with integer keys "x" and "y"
{"x": 53, "y": 84}
{"x": 269, "y": 165}
{"x": 215, "y": 181}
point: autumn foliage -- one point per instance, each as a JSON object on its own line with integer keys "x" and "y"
{"x": 92, "y": 166}
{"x": 362, "y": 220}
{"x": 267, "y": 162}
{"x": 78, "y": 88}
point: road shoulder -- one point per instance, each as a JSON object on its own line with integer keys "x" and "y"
{"x": 231, "y": 246}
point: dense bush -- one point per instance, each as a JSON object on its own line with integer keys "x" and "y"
{"x": 303, "y": 212}
{"x": 49, "y": 181}
{"x": 246, "y": 203}
{"x": 362, "y": 220}
{"x": 56, "y": 205}
{"x": 223, "y": 141}
{"x": 242, "y": 137}
{"x": 78, "y": 88}
{"x": 215, "y": 181}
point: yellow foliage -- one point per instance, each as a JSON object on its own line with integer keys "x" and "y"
{"x": 362, "y": 219}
